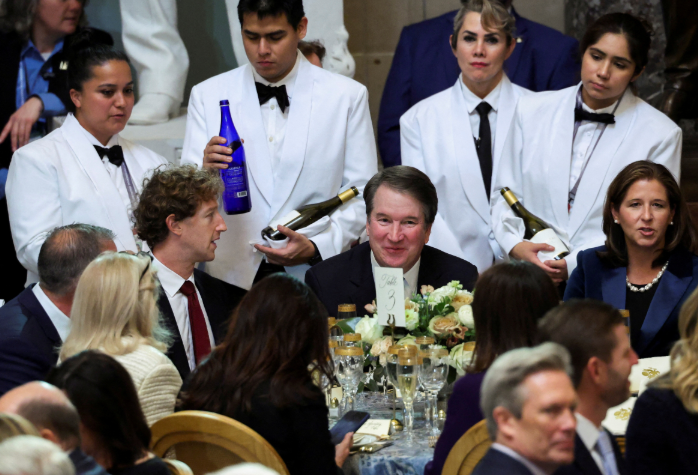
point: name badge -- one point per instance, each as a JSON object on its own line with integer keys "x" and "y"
{"x": 390, "y": 296}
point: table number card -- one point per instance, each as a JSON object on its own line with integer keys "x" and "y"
{"x": 390, "y": 296}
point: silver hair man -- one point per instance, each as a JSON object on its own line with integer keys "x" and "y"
{"x": 30, "y": 455}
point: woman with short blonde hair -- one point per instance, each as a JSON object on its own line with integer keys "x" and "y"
{"x": 115, "y": 311}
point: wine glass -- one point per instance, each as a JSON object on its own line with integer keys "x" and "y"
{"x": 407, "y": 377}
{"x": 432, "y": 375}
{"x": 349, "y": 367}
{"x": 424, "y": 343}
{"x": 391, "y": 368}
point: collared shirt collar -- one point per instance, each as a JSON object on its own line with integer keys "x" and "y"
{"x": 472, "y": 101}
{"x": 535, "y": 470}
{"x": 30, "y": 47}
{"x": 170, "y": 281}
{"x": 606, "y": 110}
{"x": 114, "y": 140}
{"x": 587, "y": 431}
{"x": 59, "y": 319}
{"x": 289, "y": 81}
{"x": 410, "y": 276}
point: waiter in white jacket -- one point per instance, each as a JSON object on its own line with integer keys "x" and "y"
{"x": 565, "y": 147}
{"x": 307, "y": 135}
{"x": 450, "y": 136}
{"x": 82, "y": 172}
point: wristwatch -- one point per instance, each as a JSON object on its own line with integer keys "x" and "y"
{"x": 317, "y": 258}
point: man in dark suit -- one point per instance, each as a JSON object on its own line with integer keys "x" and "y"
{"x": 35, "y": 323}
{"x": 424, "y": 64}
{"x": 56, "y": 419}
{"x": 528, "y": 402}
{"x": 177, "y": 216}
{"x": 401, "y": 205}
{"x": 596, "y": 336}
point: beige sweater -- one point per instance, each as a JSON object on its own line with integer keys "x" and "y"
{"x": 156, "y": 379}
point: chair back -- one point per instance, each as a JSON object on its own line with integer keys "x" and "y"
{"x": 207, "y": 442}
{"x": 177, "y": 467}
{"x": 468, "y": 451}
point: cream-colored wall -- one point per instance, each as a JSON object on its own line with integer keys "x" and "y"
{"x": 374, "y": 28}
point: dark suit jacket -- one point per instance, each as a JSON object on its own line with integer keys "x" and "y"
{"x": 424, "y": 64}
{"x": 220, "y": 299}
{"x": 28, "y": 342}
{"x": 661, "y": 435}
{"x": 498, "y": 463}
{"x": 348, "y": 277}
{"x": 583, "y": 462}
{"x": 594, "y": 279}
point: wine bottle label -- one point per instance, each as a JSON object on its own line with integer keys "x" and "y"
{"x": 548, "y": 236}
{"x": 284, "y": 219}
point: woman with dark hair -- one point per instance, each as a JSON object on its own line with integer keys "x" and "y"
{"x": 648, "y": 264}
{"x": 112, "y": 426}
{"x": 602, "y": 124}
{"x": 509, "y": 300}
{"x": 260, "y": 374}
{"x": 82, "y": 172}
{"x": 35, "y": 37}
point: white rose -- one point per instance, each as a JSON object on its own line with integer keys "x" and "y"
{"x": 369, "y": 329}
{"x": 439, "y": 294}
{"x": 462, "y": 297}
{"x": 465, "y": 317}
{"x": 411, "y": 319}
{"x": 408, "y": 340}
{"x": 459, "y": 358}
{"x": 380, "y": 346}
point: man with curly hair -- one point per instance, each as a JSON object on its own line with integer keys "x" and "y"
{"x": 178, "y": 218}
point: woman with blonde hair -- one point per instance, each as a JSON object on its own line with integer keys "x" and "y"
{"x": 663, "y": 427}
{"x": 115, "y": 311}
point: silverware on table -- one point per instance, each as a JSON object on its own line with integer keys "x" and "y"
{"x": 373, "y": 448}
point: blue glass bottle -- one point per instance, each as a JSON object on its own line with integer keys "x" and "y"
{"x": 236, "y": 196}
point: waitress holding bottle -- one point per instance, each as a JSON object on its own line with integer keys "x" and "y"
{"x": 565, "y": 147}
{"x": 82, "y": 172}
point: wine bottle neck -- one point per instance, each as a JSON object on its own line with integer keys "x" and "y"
{"x": 510, "y": 198}
{"x": 345, "y": 196}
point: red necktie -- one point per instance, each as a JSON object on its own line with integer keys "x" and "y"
{"x": 197, "y": 321}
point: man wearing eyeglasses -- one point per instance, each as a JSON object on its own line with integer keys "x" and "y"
{"x": 178, "y": 218}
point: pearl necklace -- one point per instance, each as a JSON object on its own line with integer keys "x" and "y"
{"x": 648, "y": 286}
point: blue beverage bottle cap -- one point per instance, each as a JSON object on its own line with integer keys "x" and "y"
{"x": 224, "y": 103}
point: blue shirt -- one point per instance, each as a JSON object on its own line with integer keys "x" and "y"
{"x": 32, "y": 67}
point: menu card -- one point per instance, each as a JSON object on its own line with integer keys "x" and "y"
{"x": 377, "y": 427}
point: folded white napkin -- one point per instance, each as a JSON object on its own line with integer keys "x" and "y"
{"x": 646, "y": 370}
{"x": 617, "y": 417}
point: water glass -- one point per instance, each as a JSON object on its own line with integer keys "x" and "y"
{"x": 433, "y": 373}
{"x": 349, "y": 368}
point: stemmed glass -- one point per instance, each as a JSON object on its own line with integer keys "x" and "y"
{"x": 349, "y": 368}
{"x": 432, "y": 375}
{"x": 407, "y": 378}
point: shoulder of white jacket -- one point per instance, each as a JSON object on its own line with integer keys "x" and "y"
{"x": 438, "y": 102}
{"x": 41, "y": 147}
{"x": 657, "y": 121}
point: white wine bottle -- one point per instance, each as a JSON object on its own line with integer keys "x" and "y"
{"x": 537, "y": 230}
{"x": 308, "y": 214}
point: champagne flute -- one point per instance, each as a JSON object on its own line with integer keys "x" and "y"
{"x": 349, "y": 367}
{"x": 391, "y": 369}
{"x": 425, "y": 343}
{"x": 407, "y": 377}
{"x": 432, "y": 375}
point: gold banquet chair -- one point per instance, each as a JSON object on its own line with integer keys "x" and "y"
{"x": 177, "y": 467}
{"x": 207, "y": 442}
{"x": 468, "y": 451}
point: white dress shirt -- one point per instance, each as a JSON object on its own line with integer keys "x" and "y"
{"x": 409, "y": 278}
{"x": 58, "y": 318}
{"x": 171, "y": 283}
{"x": 115, "y": 173}
{"x": 535, "y": 470}
{"x": 589, "y": 434}
{"x": 587, "y": 135}
{"x": 275, "y": 120}
{"x": 472, "y": 101}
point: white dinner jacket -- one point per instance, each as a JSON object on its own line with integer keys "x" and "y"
{"x": 436, "y": 137}
{"x": 536, "y": 161}
{"x": 328, "y": 146}
{"x": 60, "y": 180}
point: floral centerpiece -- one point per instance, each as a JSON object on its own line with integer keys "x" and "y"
{"x": 444, "y": 313}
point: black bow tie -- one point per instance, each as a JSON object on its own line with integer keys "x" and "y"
{"x": 267, "y": 92}
{"x": 580, "y": 114}
{"x": 115, "y": 154}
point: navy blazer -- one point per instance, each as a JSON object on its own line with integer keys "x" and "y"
{"x": 544, "y": 59}
{"x": 584, "y": 464}
{"x": 498, "y": 463}
{"x": 28, "y": 341}
{"x": 220, "y": 299}
{"x": 348, "y": 277}
{"x": 595, "y": 280}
